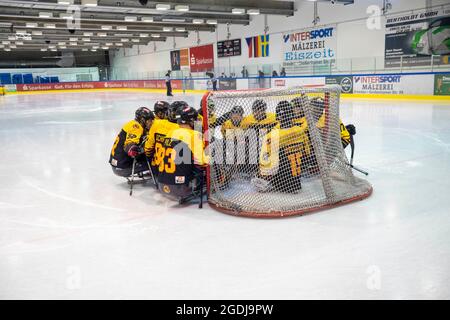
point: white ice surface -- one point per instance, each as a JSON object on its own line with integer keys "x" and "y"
{"x": 69, "y": 229}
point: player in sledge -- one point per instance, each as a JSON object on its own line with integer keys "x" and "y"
{"x": 153, "y": 147}
{"x": 127, "y": 156}
{"x": 161, "y": 109}
{"x": 181, "y": 170}
{"x": 282, "y": 152}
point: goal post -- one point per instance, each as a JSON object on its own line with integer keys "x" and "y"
{"x": 277, "y": 152}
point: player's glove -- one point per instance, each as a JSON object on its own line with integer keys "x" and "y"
{"x": 133, "y": 151}
{"x": 351, "y": 129}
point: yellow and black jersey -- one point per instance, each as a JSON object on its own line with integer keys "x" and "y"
{"x": 268, "y": 122}
{"x": 345, "y": 135}
{"x": 230, "y": 130}
{"x": 155, "y": 139}
{"x": 301, "y": 122}
{"x": 131, "y": 133}
{"x": 281, "y": 155}
{"x": 181, "y": 151}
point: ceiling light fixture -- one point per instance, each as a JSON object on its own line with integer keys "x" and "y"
{"x": 45, "y": 15}
{"x": 162, "y": 6}
{"x": 253, "y": 11}
{"x": 173, "y": 20}
{"x": 238, "y": 11}
{"x": 65, "y": 2}
{"x": 182, "y": 8}
{"x": 89, "y": 3}
{"x": 147, "y": 19}
{"x": 66, "y": 16}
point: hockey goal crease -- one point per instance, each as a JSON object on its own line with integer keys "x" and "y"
{"x": 259, "y": 169}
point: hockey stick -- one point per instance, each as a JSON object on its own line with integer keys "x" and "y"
{"x": 352, "y": 145}
{"x": 132, "y": 176}
{"x": 359, "y": 170}
{"x": 201, "y": 190}
{"x": 151, "y": 173}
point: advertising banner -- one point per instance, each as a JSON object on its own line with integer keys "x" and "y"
{"x": 227, "y": 84}
{"x": 411, "y": 39}
{"x": 137, "y": 84}
{"x": 291, "y": 82}
{"x": 345, "y": 82}
{"x": 201, "y": 58}
{"x": 229, "y": 48}
{"x": 394, "y": 84}
{"x": 442, "y": 84}
{"x": 184, "y": 59}
{"x": 310, "y": 46}
{"x": 175, "y": 61}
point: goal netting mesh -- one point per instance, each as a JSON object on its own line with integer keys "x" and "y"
{"x": 278, "y": 152}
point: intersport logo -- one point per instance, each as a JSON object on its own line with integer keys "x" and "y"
{"x": 309, "y": 35}
{"x": 377, "y": 79}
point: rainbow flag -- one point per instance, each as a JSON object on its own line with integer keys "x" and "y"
{"x": 258, "y": 46}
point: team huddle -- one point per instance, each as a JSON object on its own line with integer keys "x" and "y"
{"x": 167, "y": 144}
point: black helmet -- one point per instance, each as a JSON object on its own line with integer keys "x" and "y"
{"x": 172, "y": 115}
{"x": 238, "y": 110}
{"x": 284, "y": 111}
{"x": 143, "y": 114}
{"x": 187, "y": 115}
{"x": 161, "y": 107}
{"x": 259, "y": 105}
{"x": 298, "y": 104}
{"x": 318, "y": 102}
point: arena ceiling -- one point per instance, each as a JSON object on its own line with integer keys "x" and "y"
{"x": 91, "y": 25}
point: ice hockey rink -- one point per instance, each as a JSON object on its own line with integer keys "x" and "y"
{"x": 70, "y": 230}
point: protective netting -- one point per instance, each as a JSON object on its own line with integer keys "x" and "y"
{"x": 266, "y": 158}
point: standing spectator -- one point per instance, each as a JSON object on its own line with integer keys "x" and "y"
{"x": 244, "y": 72}
{"x": 213, "y": 80}
{"x": 274, "y": 73}
{"x": 283, "y": 72}
{"x": 261, "y": 78}
{"x": 168, "y": 84}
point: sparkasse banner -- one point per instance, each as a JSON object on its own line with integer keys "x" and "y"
{"x": 310, "y": 46}
{"x": 201, "y": 58}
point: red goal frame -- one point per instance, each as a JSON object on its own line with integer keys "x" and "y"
{"x": 271, "y": 214}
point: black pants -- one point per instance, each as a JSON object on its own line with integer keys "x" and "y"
{"x": 169, "y": 88}
{"x": 214, "y": 83}
{"x": 141, "y": 166}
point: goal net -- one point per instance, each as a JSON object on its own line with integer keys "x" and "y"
{"x": 277, "y": 152}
